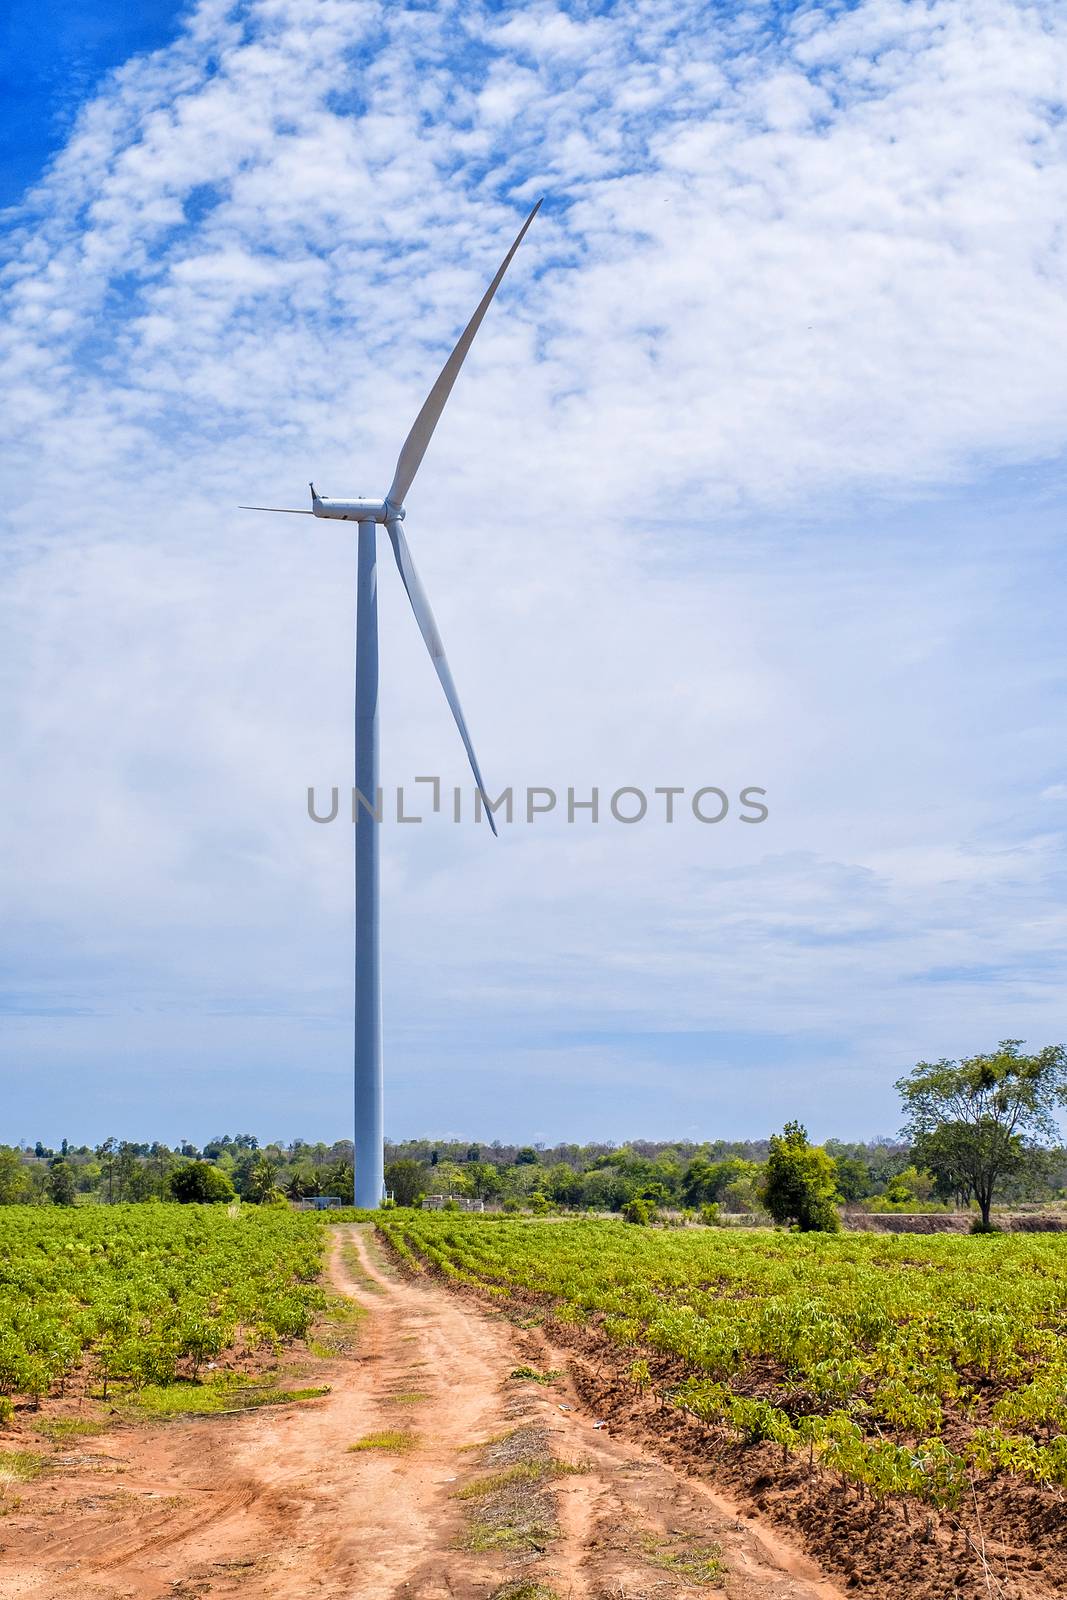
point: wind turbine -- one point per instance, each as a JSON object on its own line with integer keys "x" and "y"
{"x": 367, "y": 514}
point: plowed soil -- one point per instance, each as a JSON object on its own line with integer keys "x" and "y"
{"x": 273, "y": 1504}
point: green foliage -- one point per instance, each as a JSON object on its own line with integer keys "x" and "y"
{"x": 854, "y": 1179}
{"x": 199, "y": 1183}
{"x": 393, "y": 1441}
{"x": 406, "y": 1180}
{"x": 139, "y": 1294}
{"x": 61, "y": 1184}
{"x": 908, "y": 1186}
{"x": 970, "y": 1120}
{"x": 876, "y": 1342}
{"x": 261, "y": 1185}
{"x": 20, "y": 1466}
{"x": 226, "y": 1393}
{"x": 639, "y": 1211}
{"x": 799, "y": 1185}
{"x": 16, "y": 1187}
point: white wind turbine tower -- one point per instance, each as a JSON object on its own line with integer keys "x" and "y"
{"x": 367, "y": 514}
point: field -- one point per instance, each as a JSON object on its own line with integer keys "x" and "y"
{"x": 457, "y": 1403}
{"x": 136, "y": 1295}
{"x": 870, "y": 1353}
{"x": 894, "y": 1372}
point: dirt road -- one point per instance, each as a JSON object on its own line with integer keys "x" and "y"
{"x": 472, "y": 1483}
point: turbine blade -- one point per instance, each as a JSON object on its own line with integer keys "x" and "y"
{"x": 290, "y": 511}
{"x": 422, "y": 429}
{"x": 428, "y": 628}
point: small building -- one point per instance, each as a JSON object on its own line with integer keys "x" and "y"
{"x": 322, "y": 1202}
{"x": 456, "y": 1202}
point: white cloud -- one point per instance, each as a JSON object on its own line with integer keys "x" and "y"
{"x": 677, "y": 524}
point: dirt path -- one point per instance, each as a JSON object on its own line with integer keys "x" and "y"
{"x": 274, "y": 1505}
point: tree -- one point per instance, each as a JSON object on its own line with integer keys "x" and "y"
{"x": 406, "y": 1181}
{"x": 198, "y": 1182}
{"x": 143, "y": 1183}
{"x": 262, "y": 1184}
{"x": 564, "y": 1184}
{"x": 339, "y": 1178}
{"x": 448, "y": 1177}
{"x": 706, "y": 1180}
{"x": 61, "y": 1184}
{"x": 485, "y": 1180}
{"x": 15, "y": 1188}
{"x": 853, "y": 1177}
{"x": 798, "y": 1185}
{"x": 526, "y": 1157}
{"x": 107, "y": 1152}
{"x": 983, "y": 1112}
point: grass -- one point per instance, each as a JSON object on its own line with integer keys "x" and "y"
{"x": 411, "y": 1397}
{"x": 508, "y": 1508}
{"x": 353, "y": 1262}
{"x": 60, "y": 1428}
{"x": 524, "y": 1590}
{"x": 699, "y": 1561}
{"x": 20, "y": 1466}
{"x": 533, "y": 1376}
{"x": 394, "y": 1441}
{"x": 224, "y": 1394}
{"x": 336, "y": 1333}
{"x": 493, "y": 1482}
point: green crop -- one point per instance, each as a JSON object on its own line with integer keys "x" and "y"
{"x": 136, "y": 1295}
{"x": 872, "y": 1343}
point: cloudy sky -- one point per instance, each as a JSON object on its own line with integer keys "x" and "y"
{"x": 755, "y": 477}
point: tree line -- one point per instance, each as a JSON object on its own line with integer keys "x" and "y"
{"x": 976, "y": 1131}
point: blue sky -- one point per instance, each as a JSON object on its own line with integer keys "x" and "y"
{"x": 755, "y": 477}
{"x": 54, "y": 54}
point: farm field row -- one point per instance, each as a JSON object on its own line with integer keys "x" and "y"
{"x": 911, "y": 1366}
{"x": 137, "y": 1295}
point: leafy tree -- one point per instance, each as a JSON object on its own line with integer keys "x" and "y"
{"x": 304, "y": 1181}
{"x": 448, "y": 1177}
{"x": 639, "y": 1211}
{"x": 909, "y": 1186}
{"x": 339, "y": 1179}
{"x": 798, "y": 1184}
{"x": 564, "y": 1184}
{"x": 15, "y": 1188}
{"x": 526, "y": 1157}
{"x": 126, "y": 1165}
{"x": 485, "y": 1180}
{"x": 853, "y": 1177}
{"x": 993, "y": 1106}
{"x": 200, "y": 1183}
{"x": 706, "y": 1180}
{"x": 107, "y": 1153}
{"x": 407, "y": 1181}
{"x": 603, "y": 1190}
{"x": 745, "y": 1192}
{"x": 61, "y": 1184}
{"x": 262, "y": 1184}
{"x": 143, "y": 1183}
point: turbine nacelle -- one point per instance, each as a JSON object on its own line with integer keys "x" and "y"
{"x": 357, "y": 510}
